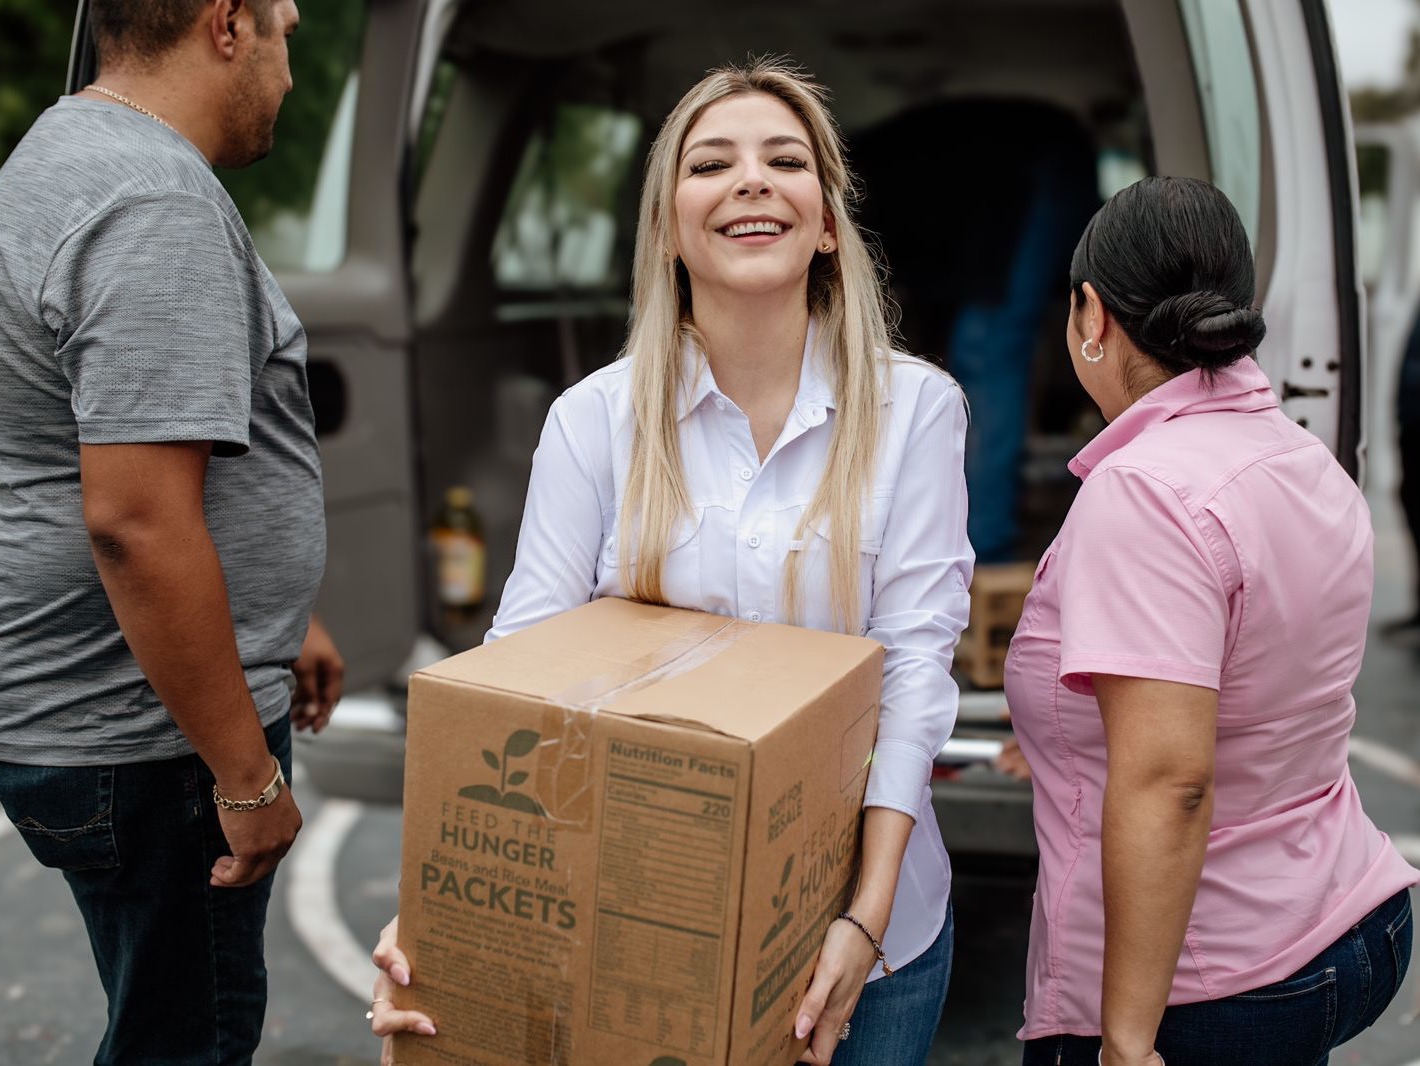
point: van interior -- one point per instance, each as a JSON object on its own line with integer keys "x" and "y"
{"x": 537, "y": 117}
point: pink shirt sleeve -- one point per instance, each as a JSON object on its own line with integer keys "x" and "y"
{"x": 1141, "y": 594}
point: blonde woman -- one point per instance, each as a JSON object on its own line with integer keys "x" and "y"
{"x": 760, "y": 451}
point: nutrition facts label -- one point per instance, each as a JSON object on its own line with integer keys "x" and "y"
{"x": 662, "y": 897}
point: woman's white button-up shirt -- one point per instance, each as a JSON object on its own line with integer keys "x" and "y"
{"x": 728, "y": 556}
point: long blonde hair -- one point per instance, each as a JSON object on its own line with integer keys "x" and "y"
{"x": 845, "y": 296}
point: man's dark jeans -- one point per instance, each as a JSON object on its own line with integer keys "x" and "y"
{"x": 1295, "y": 1022}
{"x": 182, "y": 963}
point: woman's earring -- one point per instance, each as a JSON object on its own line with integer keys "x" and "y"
{"x": 1085, "y": 350}
{"x": 826, "y": 246}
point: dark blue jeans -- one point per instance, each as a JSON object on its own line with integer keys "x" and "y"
{"x": 896, "y": 1017}
{"x": 1295, "y": 1022}
{"x": 991, "y": 349}
{"x": 182, "y": 963}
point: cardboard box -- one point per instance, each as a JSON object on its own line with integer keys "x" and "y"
{"x": 625, "y": 833}
{"x": 998, "y": 595}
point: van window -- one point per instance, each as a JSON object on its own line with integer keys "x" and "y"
{"x": 295, "y": 200}
{"x": 561, "y": 226}
{"x": 1227, "y": 87}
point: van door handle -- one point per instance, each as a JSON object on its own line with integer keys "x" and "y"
{"x": 1310, "y": 392}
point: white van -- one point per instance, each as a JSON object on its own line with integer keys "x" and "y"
{"x": 462, "y": 252}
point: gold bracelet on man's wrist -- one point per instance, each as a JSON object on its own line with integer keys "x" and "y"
{"x": 266, "y": 799}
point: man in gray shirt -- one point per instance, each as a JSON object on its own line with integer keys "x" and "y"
{"x": 161, "y": 523}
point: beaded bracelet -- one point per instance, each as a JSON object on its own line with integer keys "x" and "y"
{"x": 887, "y": 970}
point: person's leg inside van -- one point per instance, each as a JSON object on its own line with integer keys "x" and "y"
{"x": 991, "y": 346}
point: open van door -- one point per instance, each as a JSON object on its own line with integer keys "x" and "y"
{"x": 344, "y": 271}
{"x": 1311, "y": 292}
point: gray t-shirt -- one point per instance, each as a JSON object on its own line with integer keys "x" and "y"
{"x": 134, "y": 309}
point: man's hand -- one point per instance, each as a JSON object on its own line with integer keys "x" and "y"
{"x": 258, "y": 840}
{"x": 320, "y": 676}
{"x": 143, "y": 507}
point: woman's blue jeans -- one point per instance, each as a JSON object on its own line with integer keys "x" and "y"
{"x": 1295, "y": 1022}
{"x": 896, "y": 1017}
{"x": 181, "y": 962}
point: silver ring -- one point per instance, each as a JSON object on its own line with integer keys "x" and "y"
{"x": 370, "y": 1014}
{"x": 843, "y": 1033}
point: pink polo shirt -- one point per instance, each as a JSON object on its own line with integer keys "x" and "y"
{"x": 1215, "y": 543}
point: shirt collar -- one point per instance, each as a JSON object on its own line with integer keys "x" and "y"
{"x": 1240, "y": 387}
{"x": 814, "y": 396}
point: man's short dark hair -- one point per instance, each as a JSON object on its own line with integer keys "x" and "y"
{"x": 146, "y": 29}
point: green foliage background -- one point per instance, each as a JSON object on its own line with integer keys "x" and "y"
{"x": 323, "y": 52}
{"x": 34, "y": 56}
{"x": 35, "y": 38}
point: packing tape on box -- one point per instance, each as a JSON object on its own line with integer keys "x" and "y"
{"x": 677, "y": 658}
{"x": 566, "y": 780}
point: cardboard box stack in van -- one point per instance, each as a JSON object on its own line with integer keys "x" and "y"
{"x": 626, "y": 830}
{"x": 998, "y": 594}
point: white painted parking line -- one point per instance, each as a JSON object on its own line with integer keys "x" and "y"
{"x": 311, "y": 901}
{"x": 1387, "y": 760}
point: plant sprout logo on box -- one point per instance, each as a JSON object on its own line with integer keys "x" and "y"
{"x": 780, "y": 900}
{"x": 521, "y": 743}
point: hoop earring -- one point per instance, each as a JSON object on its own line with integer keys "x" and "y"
{"x": 1085, "y": 351}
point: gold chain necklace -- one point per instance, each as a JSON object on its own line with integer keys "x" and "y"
{"x": 127, "y": 103}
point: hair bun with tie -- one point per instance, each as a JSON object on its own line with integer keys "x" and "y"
{"x": 1201, "y": 329}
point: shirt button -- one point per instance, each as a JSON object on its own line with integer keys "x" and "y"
{"x": 754, "y": 540}
{"x": 720, "y": 405}
{"x": 754, "y": 616}
{"x": 746, "y": 474}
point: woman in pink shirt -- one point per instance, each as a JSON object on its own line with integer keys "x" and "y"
{"x": 1210, "y": 890}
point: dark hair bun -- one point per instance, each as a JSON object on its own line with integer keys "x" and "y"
{"x": 1200, "y": 329}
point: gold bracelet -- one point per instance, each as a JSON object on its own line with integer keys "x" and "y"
{"x": 887, "y": 970}
{"x": 266, "y": 799}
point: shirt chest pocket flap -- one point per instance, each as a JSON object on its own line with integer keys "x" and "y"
{"x": 686, "y": 530}
{"x": 819, "y": 534}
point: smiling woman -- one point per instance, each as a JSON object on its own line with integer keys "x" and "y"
{"x": 721, "y": 201}
{"x": 745, "y": 456}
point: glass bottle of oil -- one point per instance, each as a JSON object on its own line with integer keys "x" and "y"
{"x": 460, "y": 558}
